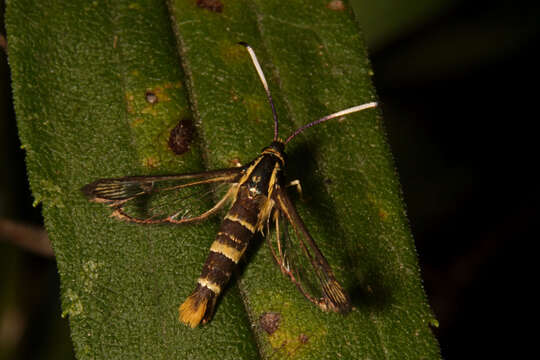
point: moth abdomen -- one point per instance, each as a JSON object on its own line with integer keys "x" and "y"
{"x": 197, "y": 305}
{"x": 234, "y": 235}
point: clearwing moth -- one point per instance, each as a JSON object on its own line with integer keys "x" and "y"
{"x": 257, "y": 201}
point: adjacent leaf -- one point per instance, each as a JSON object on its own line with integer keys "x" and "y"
{"x": 98, "y": 88}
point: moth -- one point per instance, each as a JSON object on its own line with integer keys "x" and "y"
{"x": 257, "y": 201}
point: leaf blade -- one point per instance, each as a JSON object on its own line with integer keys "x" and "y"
{"x": 121, "y": 293}
{"x": 121, "y": 284}
{"x": 341, "y": 80}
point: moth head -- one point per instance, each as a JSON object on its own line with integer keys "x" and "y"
{"x": 278, "y": 145}
{"x": 277, "y": 149}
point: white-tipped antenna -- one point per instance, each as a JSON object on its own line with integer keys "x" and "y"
{"x": 265, "y": 85}
{"x": 333, "y": 116}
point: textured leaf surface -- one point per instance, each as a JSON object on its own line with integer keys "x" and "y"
{"x": 82, "y": 73}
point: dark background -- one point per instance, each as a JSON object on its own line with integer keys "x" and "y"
{"x": 457, "y": 83}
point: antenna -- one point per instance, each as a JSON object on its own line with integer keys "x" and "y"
{"x": 333, "y": 116}
{"x": 269, "y": 96}
{"x": 265, "y": 85}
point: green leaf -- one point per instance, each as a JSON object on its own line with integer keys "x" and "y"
{"x": 81, "y": 73}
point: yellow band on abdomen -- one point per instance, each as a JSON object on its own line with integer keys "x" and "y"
{"x": 209, "y": 284}
{"x": 242, "y": 222}
{"x": 227, "y": 251}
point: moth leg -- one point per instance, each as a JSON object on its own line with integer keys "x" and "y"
{"x": 277, "y": 258}
{"x": 298, "y": 186}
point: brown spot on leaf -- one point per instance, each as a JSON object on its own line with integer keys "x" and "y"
{"x": 303, "y": 338}
{"x": 150, "y": 162}
{"x": 129, "y": 103}
{"x": 151, "y": 97}
{"x": 137, "y": 122}
{"x": 212, "y": 5}
{"x": 269, "y": 322}
{"x": 336, "y": 5}
{"x": 181, "y": 136}
{"x": 157, "y": 93}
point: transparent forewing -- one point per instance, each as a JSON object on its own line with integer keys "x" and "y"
{"x": 299, "y": 258}
{"x": 175, "y": 199}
